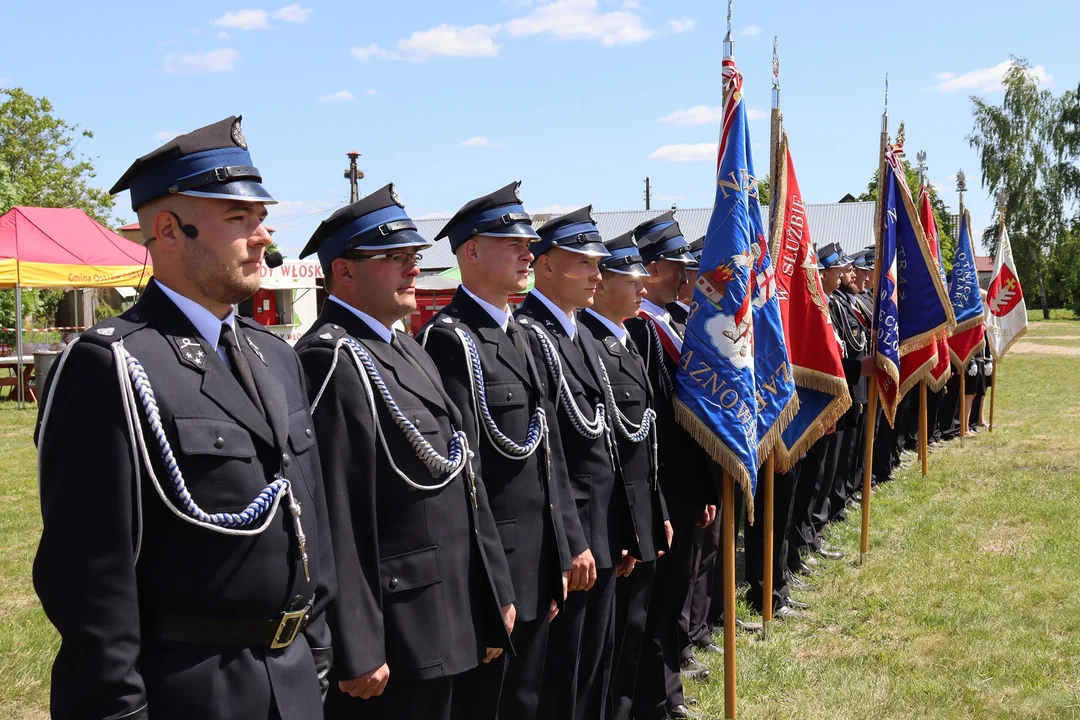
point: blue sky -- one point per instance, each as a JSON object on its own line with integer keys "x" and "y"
{"x": 580, "y": 99}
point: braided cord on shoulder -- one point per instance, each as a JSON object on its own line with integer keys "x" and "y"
{"x": 590, "y": 429}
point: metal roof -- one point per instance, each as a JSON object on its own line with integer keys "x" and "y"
{"x": 851, "y": 224}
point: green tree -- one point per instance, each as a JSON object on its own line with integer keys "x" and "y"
{"x": 40, "y": 167}
{"x": 1027, "y": 148}
{"x": 942, "y": 216}
{"x": 38, "y": 154}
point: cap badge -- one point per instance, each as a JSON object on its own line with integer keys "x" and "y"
{"x": 106, "y": 331}
{"x": 394, "y": 196}
{"x": 238, "y": 135}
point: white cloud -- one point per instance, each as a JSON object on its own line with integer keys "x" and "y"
{"x": 750, "y": 31}
{"x": 630, "y": 5}
{"x": 480, "y": 142}
{"x": 201, "y": 63}
{"x": 451, "y": 41}
{"x": 442, "y": 41}
{"x": 363, "y": 54}
{"x": 697, "y": 115}
{"x": 223, "y": 35}
{"x": 681, "y": 26}
{"x": 337, "y": 96}
{"x": 698, "y": 152}
{"x": 987, "y": 79}
{"x": 371, "y": 91}
{"x": 242, "y": 20}
{"x": 293, "y": 14}
{"x": 580, "y": 20}
{"x": 755, "y": 114}
{"x": 165, "y": 135}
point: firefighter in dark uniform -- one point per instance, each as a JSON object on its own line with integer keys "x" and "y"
{"x": 644, "y": 529}
{"x": 566, "y": 271}
{"x": 851, "y": 319}
{"x": 187, "y": 565}
{"x": 424, "y": 589}
{"x": 684, "y": 473}
{"x": 507, "y": 405}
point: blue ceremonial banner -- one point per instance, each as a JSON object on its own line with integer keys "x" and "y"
{"x": 966, "y": 300}
{"x": 886, "y": 325}
{"x": 734, "y": 390}
{"x": 923, "y": 308}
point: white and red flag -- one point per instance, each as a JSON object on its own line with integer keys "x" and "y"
{"x": 1007, "y": 321}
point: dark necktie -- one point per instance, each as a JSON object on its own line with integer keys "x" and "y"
{"x": 240, "y": 368}
{"x": 395, "y": 343}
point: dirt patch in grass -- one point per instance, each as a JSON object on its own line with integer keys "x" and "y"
{"x": 1002, "y": 539}
{"x": 1024, "y": 348}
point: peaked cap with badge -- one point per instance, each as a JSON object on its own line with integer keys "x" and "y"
{"x": 376, "y": 222}
{"x": 624, "y": 257}
{"x": 661, "y": 239}
{"x": 864, "y": 259}
{"x": 696, "y": 249}
{"x": 833, "y": 256}
{"x": 575, "y": 231}
{"x": 211, "y": 162}
{"x": 499, "y": 214}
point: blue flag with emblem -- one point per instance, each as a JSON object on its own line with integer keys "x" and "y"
{"x": 966, "y": 300}
{"x": 734, "y": 390}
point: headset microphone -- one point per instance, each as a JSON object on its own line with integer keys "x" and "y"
{"x": 273, "y": 259}
{"x": 188, "y": 230}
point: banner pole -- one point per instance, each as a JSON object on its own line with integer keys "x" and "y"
{"x": 924, "y": 441}
{"x": 767, "y": 550}
{"x": 993, "y": 387}
{"x": 727, "y": 532}
{"x": 868, "y": 466}
{"x": 963, "y": 406}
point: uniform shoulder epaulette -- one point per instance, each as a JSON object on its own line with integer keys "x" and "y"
{"x": 326, "y": 336}
{"x": 109, "y": 330}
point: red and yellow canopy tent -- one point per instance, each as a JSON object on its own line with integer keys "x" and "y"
{"x": 64, "y": 248}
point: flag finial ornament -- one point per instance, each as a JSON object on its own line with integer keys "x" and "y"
{"x": 775, "y": 64}
{"x": 1002, "y": 197}
{"x": 961, "y": 181}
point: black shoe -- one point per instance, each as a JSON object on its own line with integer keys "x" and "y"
{"x": 805, "y": 569}
{"x": 811, "y": 560}
{"x": 797, "y": 605}
{"x": 711, "y": 647}
{"x": 830, "y": 554}
{"x": 798, "y": 583}
{"x": 681, "y": 712}
{"x": 694, "y": 669}
{"x": 748, "y": 626}
{"x": 787, "y": 613}
{"x": 689, "y": 701}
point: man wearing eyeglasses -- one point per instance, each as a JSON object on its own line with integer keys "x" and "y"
{"x": 425, "y": 588}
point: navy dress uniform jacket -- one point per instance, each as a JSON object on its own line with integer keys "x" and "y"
{"x": 421, "y": 574}
{"x": 601, "y": 510}
{"x": 685, "y": 477}
{"x": 528, "y": 497}
{"x": 644, "y": 534}
{"x": 107, "y": 604}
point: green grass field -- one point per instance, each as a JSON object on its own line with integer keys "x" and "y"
{"x": 969, "y": 606}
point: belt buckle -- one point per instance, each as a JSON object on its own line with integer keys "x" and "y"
{"x": 289, "y": 627}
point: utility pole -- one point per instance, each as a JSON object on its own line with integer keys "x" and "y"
{"x": 648, "y": 195}
{"x": 353, "y": 174}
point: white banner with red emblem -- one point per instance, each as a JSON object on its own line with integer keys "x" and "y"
{"x": 1007, "y": 320}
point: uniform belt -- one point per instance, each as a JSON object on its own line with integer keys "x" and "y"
{"x": 274, "y": 634}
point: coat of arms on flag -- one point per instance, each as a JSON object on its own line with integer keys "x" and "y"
{"x": 734, "y": 388}
{"x": 1007, "y": 322}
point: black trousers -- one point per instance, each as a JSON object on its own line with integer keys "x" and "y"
{"x": 702, "y": 602}
{"x": 507, "y": 687}
{"x": 403, "y": 699}
{"x": 659, "y": 685}
{"x": 632, "y": 596}
{"x": 581, "y": 646}
{"x": 933, "y": 403}
{"x": 810, "y": 472}
{"x": 949, "y": 410}
{"x": 784, "y": 486}
{"x": 834, "y": 469}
